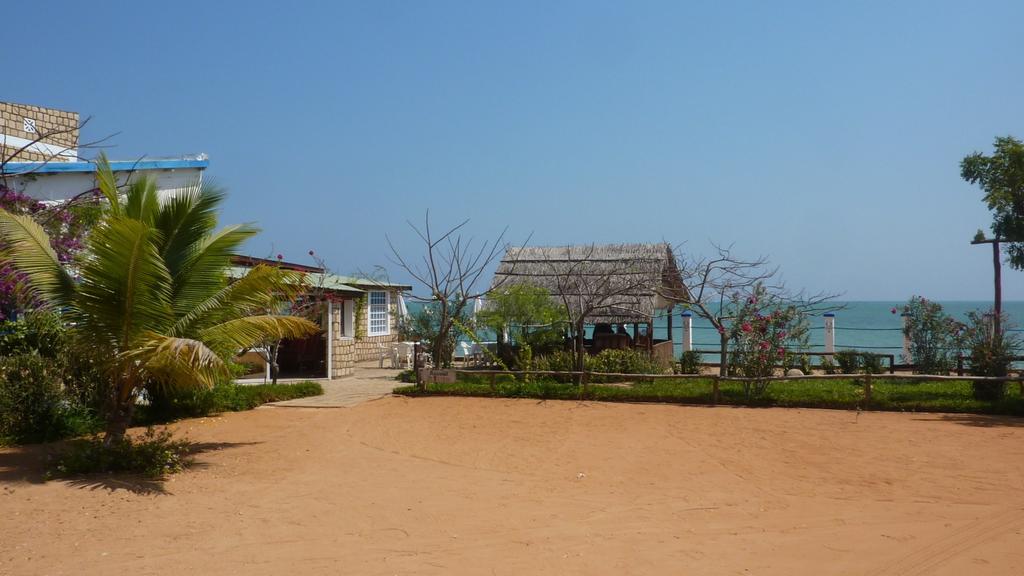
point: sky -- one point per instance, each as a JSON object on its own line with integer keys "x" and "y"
{"x": 825, "y": 136}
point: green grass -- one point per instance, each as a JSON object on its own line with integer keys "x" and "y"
{"x": 894, "y": 395}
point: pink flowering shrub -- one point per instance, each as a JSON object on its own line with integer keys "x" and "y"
{"x": 764, "y": 328}
{"x": 934, "y": 337}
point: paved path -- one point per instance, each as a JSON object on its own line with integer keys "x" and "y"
{"x": 368, "y": 383}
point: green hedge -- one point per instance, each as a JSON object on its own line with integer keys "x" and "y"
{"x": 227, "y": 397}
{"x": 892, "y": 395}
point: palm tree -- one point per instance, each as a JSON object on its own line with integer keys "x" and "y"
{"x": 150, "y": 300}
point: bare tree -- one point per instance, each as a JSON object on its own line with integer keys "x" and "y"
{"x": 590, "y": 286}
{"x": 451, "y": 268}
{"x": 49, "y": 155}
{"x": 714, "y": 283}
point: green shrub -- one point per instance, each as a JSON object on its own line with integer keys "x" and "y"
{"x": 524, "y": 359}
{"x": 33, "y": 407}
{"x": 625, "y": 361}
{"x": 39, "y": 332}
{"x": 933, "y": 336}
{"x": 154, "y": 454}
{"x": 224, "y": 397}
{"x": 827, "y": 365}
{"x": 557, "y": 361}
{"x": 872, "y": 363}
{"x": 690, "y": 362}
{"x": 989, "y": 353}
{"x": 801, "y": 362}
{"x": 849, "y": 361}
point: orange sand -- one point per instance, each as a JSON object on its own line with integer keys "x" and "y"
{"x": 481, "y": 486}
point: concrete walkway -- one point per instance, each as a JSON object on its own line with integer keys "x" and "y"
{"x": 368, "y": 383}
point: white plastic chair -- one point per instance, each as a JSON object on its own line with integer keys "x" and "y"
{"x": 403, "y": 354}
{"x": 385, "y": 353}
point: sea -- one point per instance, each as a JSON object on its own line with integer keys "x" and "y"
{"x": 871, "y": 326}
{"x": 863, "y": 325}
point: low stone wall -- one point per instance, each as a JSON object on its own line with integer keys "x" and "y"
{"x": 369, "y": 348}
{"x": 343, "y": 357}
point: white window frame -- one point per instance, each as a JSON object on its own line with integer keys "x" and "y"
{"x": 369, "y": 313}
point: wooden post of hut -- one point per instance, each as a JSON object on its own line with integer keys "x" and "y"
{"x": 687, "y": 331}
{"x": 670, "y": 339}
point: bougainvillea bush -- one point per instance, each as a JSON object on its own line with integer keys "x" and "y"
{"x": 764, "y": 328}
{"x": 65, "y": 223}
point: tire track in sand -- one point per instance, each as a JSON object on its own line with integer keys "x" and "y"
{"x": 930, "y": 556}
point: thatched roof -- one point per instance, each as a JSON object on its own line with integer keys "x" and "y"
{"x": 627, "y": 281}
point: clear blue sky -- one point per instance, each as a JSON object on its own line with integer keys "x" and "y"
{"x": 824, "y": 135}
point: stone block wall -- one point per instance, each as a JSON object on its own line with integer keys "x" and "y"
{"x": 47, "y": 120}
{"x": 343, "y": 350}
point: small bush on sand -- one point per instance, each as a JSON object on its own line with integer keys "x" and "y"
{"x": 155, "y": 454}
{"x": 827, "y": 365}
{"x": 689, "y": 362}
{"x": 872, "y": 363}
{"x": 849, "y": 361}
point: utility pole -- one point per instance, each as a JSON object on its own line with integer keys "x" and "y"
{"x": 998, "y": 274}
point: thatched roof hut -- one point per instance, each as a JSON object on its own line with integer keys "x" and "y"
{"x": 629, "y": 282}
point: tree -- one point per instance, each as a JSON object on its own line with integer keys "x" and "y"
{"x": 522, "y": 311}
{"x": 765, "y": 326}
{"x": 150, "y": 302}
{"x": 934, "y": 337}
{"x": 589, "y": 286}
{"x": 451, "y": 269}
{"x": 1001, "y": 177}
{"x": 718, "y": 285}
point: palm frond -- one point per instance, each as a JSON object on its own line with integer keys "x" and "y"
{"x": 107, "y": 183}
{"x": 142, "y": 201}
{"x": 202, "y": 273}
{"x": 262, "y": 288}
{"x": 176, "y": 362}
{"x": 125, "y": 287}
{"x": 241, "y": 333}
{"x": 185, "y": 220}
{"x": 27, "y": 246}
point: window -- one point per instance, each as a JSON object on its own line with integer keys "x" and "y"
{"x": 348, "y": 319}
{"x": 378, "y": 312}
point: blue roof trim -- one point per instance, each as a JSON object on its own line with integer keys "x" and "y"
{"x": 15, "y": 168}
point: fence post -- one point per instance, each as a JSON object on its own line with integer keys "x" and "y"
{"x": 493, "y": 378}
{"x": 714, "y": 390}
{"x": 830, "y": 332}
{"x": 959, "y": 365}
{"x": 687, "y": 331}
{"x": 906, "y": 340}
{"x": 867, "y": 390}
{"x": 585, "y": 379}
{"x": 416, "y": 366}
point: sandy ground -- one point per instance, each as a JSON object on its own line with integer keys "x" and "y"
{"x": 492, "y": 486}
